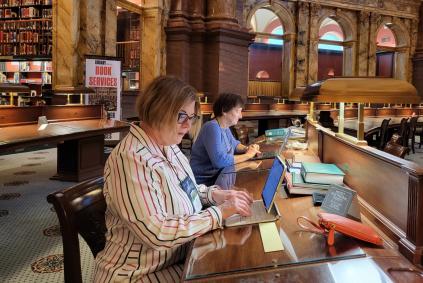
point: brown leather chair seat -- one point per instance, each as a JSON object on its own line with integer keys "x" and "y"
{"x": 395, "y": 148}
{"x": 81, "y": 210}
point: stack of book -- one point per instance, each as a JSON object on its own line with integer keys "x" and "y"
{"x": 310, "y": 177}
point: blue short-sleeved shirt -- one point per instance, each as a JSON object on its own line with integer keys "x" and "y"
{"x": 213, "y": 150}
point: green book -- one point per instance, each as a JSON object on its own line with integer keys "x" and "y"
{"x": 322, "y": 173}
{"x": 298, "y": 186}
{"x": 281, "y": 132}
{"x": 298, "y": 181}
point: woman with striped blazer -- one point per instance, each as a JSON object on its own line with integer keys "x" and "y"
{"x": 154, "y": 206}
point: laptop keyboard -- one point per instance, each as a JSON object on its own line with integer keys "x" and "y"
{"x": 258, "y": 212}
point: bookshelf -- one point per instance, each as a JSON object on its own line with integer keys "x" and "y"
{"x": 26, "y": 43}
{"x": 129, "y": 48}
{"x": 26, "y": 27}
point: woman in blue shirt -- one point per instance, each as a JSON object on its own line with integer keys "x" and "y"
{"x": 215, "y": 146}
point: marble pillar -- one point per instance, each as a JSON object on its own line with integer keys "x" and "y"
{"x": 153, "y": 59}
{"x": 66, "y": 28}
{"x": 110, "y": 28}
{"x": 418, "y": 58}
{"x": 363, "y": 43}
{"x": 177, "y": 41}
{"x": 375, "y": 22}
{"x": 288, "y": 65}
{"x": 80, "y": 28}
{"x": 314, "y": 43}
{"x": 301, "y": 66}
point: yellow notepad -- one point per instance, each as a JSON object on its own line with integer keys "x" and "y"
{"x": 270, "y": 237}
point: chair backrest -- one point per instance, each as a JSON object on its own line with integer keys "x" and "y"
{"x": 383, "y": 133}
{"x": 403, "y": 132}
{"x": 240, "y": 133}
{"x": 412, "y": 125}
{"x": 396, "y": 149}
{"x": 80, "y": 209}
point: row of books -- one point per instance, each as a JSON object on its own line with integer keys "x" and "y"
{"x": 25, "y": 66}
{"x": 15, "y": 3}
{"x": 21, "y": 36}
{"x": 27, "y": 25}
{"x": 308, "y": 177}
{"x": 25, "y": 49}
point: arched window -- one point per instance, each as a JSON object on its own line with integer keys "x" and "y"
{"x": 330, "y": 49}
{"x": 385, "y": 52}
{"x": 265, "y": 53}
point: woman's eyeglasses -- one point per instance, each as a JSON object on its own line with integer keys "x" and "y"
{"x": 183, "y": 117}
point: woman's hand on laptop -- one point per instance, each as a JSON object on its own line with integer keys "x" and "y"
{"x": 253, "y": 150}
{"x": 220, "y": 196}
{"x": 235, "y": 206}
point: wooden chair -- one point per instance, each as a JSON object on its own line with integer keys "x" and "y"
{"x": 394, "y": 146}
{"x": 412, "y": 131}
{"x": 403, "y": 132}
{"x": 240, "y": 133}
{"x": 383, "y": 134}
{"x": 81, "y": 210}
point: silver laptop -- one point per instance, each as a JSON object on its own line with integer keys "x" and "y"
{"x": 263, "y": 210}
{"x": 273, "y": 154}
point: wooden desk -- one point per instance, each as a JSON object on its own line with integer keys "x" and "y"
{"x": 236, "y": 254}
{"x": 80, "y": 144}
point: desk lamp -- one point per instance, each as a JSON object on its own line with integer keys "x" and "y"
{"x": 358, "y": 90}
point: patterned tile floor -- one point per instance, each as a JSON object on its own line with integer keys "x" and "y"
{"x": 30, "y": 242}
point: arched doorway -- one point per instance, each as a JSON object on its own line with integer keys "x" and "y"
{"x": 330, "y": 50}
{"x": 265, "y": 54}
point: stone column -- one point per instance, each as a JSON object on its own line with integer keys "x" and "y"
{"x": 221, "y": 13}
{"x": 226, "y": 56}
{"x": 80, "y": 27}
{"x": 110, "y": 27}
{"x": 177, "y": 41}
{"x": 196, "y": 60}
{"x": 375, "y": 22}
{"x": 153, "y": 60}
{"x": 302, "y": 44}
{"x": 414, "y": 30}
{"x": 418, "y": 58}
{"x": 66, "y": 29}
{"x": 313, "y": 44}
{"x": 288, "y": 65}
{"x": 363, "y": 43}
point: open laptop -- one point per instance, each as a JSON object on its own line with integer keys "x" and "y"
{"x": 263, "y": 210}
{"x": 273, "y": 154}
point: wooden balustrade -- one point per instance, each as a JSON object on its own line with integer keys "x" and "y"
{"x": 264, "y": 88}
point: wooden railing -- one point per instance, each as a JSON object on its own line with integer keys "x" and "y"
{"x": 390, "y": 189}
{"x": 264, "y": 88}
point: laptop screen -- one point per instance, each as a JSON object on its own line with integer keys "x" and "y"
{"x": 273, "y": 181}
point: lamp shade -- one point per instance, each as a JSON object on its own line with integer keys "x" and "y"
{"x": 359, "y": 90}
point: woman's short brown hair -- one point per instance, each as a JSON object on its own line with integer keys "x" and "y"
{"x": 225, "y": 102}
{"x": 160, "y": 103}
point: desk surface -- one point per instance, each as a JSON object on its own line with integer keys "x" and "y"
{"x": 25, "y": 135}
{"x": 237, "y": 255}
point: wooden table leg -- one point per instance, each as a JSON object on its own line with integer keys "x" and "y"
{"x": 80, "y": 159}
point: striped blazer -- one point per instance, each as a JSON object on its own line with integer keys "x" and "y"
{"x": 149, "y": 218}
